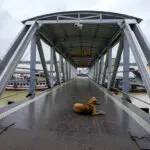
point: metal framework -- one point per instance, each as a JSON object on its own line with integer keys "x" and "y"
{"x": 81, "y": 38}
{"x": 32, "y": 66}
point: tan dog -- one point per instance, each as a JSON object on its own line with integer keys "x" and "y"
{"x": 88, "y": 109}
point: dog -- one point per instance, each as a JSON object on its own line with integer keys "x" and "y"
{"x": 88, "y": 109}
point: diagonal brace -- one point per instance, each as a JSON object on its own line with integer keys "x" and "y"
{"x": 40, "y": 49}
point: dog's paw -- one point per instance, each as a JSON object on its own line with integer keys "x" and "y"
{"x": 102, "y": 112}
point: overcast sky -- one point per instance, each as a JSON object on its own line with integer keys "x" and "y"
{"x": 13, "y": 11}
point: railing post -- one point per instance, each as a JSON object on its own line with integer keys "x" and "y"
{"x": 56, "y": 67}
{"x": 116, "y": 64}
{"x": 66, "y": 70}
{"x": 109, "y": 66}
{"x": 126, "y": 61}
{"x": 32, "y": 84}
{"x": 101, "y": 68}
{"x": 51, "y": 66}
{"x": 40, "y": 49}
{"x": 62, "y": 68}
{"x": 138, "y": 55}
{"x": 98, "y": 76}
{"x": 105, "y": 68}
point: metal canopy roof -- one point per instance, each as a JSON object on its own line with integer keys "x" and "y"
{"x": 82, "y": 36}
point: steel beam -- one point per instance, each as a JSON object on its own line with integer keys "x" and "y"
{"x": 109, "y": 65}
{"x": 13, "y": 61}
{"x": 32, "y": 67}
{"x": 68, "y": 65}
{"x": 145, "y": 45}
{"x": 66, "y": 70}
{"x": 139, "y": 56}
{"x": 69, "y": 71}
{"x": 85, "y": 21}
{"x": 126, "y": 59}
{"x": 40, "y": 49}
{"x": 96, "y": 67}
{"x": 62, "y": 68}
{"x": 59, "y": 66}
{"x": 13, "y": 48}
{"x": 51, "y": 66}
{"x": 116, "y": 64}
{"x": 85, "y": 39}
{"x": 99, "y": 71}
{"x": 101, "y": 67}
{"x": 48, "y": 62}
{"x": 56, "y": 67}
{"x": 94, "y": 72}
{"x": 105, "y": 68}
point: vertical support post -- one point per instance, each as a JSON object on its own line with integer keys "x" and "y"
{"x": 105, "y": 68}
{"x": 138, "y": 55}
{"x": 94, "y": 72}
{"x": 126, "y": 59}
{"x": 40, "y": 49}
{"x": 101, "y": 67}
{"x": 60, "y": 71}
{"x": 66, "y": 71}
{"x": 32, "y": 68}
{"x": 116, "y": 64}
{"x": 51, "y": 66}
{"x": 109, "y": 66}
{"x": 97, "y": 70}
{"x": 56, "y": 67}
{"x": 69, "y": 71}
{"x": 96, "y": 67}
{"x": 62, "y": 68}
{"x": 98, "y": 76}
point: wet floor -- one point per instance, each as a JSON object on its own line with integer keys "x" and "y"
{"x": 52, "y": 118}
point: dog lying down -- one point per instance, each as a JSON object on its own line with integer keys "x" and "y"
{"x": 88, "y": 109}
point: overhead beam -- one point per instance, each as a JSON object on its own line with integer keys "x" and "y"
{"x": 47, "y": 62}
{"x": 84, "y": 39}
{"x": 84, "y": 21}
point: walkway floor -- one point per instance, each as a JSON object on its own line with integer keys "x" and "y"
{"x": 50, "y": 123}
